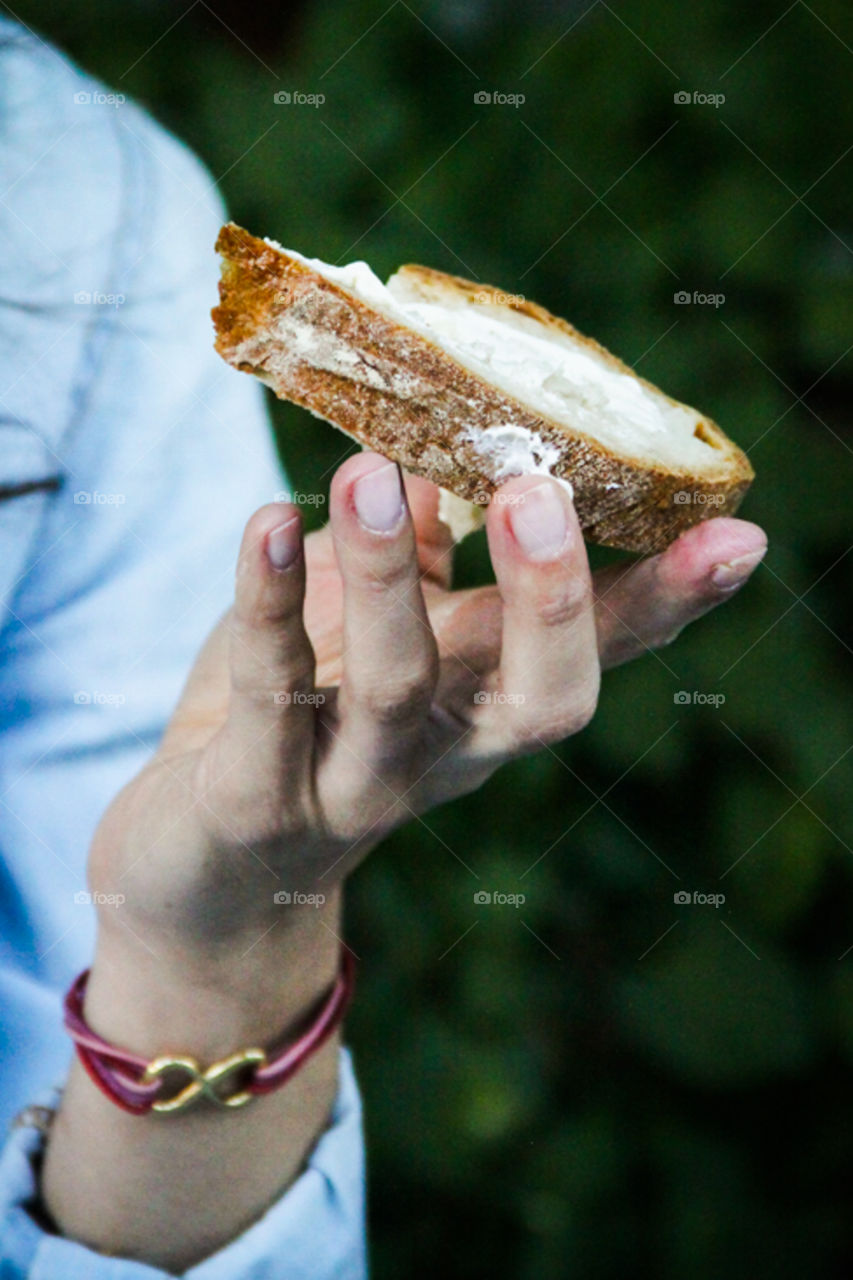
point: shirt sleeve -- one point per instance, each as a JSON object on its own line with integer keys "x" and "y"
{"x": 131, "y": 457}
{"x": 316, "y": 1225}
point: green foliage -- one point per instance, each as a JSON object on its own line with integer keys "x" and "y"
{"x": 600, "y": 1082}
{"x": 716, "y": 1013}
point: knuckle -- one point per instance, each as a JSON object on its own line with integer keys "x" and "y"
{"x": 394, "y": 575}
{"x": 283, "y": 606}
{"x": 264, "y": 685}
{"x": 583, "y": 712}
{"x": 524, "y": 736}
{"x": 265, "y": 613}
{"x": 401, "y": 700}
{"x": 286, "y": 610}
{"x": 519, "y": 737}
{"x": 582, "y": 706}
{"x": 524, "y": 744}
{"x": 667, "y": 635}
{"x": 565, "y": 605}
{"x": 293, "y": 682}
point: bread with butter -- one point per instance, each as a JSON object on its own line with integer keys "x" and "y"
{"x": 467, "y": 385}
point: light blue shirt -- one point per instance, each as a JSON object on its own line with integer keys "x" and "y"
{"x": 131, "y": 457}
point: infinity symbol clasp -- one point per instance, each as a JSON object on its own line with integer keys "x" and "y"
{"x": 203, "y": 1083}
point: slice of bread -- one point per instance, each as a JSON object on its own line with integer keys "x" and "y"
{"x": 466, "y": 385}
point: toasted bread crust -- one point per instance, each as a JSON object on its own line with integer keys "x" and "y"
{"x": 395, "y": 391}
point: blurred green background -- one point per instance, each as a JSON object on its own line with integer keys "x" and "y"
{"x": 602, "y": 1082}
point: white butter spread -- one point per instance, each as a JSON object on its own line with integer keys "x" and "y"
{"x": 548, "y": 372}
{"x": 358, "y": 277}
{"x": 515, "y": 450}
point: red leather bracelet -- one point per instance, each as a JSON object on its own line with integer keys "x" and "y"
{"x": 135, "y": 1084}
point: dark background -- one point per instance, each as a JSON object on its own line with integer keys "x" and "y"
{"x": 601, "y": 1083}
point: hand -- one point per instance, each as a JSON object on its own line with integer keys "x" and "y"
{"x": 249, "y": 794}
{"x": 419, "y": 694}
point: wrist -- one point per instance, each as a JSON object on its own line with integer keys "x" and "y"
{"x": 208, "y": 1001}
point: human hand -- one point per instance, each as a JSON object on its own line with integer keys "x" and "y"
{"x": 424, "y": 693}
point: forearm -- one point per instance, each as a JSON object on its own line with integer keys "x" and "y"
{"x": 170, "y": 1190}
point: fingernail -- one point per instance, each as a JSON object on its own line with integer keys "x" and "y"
{"x": 283, "y": 544}
{"x": 540, "y": 523}
{"x": 732, "y": 573}
{"x": 378, "y": 498}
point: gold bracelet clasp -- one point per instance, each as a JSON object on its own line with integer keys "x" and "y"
{"x": 203, "y": 1083}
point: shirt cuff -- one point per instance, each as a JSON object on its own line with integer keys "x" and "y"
{"x": 318, "y": 1225}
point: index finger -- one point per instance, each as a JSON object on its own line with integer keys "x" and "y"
{"x": 548, "y": 678}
